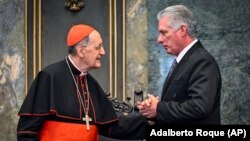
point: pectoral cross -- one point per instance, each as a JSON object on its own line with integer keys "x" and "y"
{"x": 87, "y": 119}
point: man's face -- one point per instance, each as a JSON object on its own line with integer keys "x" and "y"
{"x": 93, "y": 51}
{"x": 168, "y": 37}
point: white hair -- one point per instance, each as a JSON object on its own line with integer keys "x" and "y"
{"x": 180, "y": 15}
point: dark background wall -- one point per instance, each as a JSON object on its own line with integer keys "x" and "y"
{"x": 224, "y": 30}
{"x": 56, "y": 21}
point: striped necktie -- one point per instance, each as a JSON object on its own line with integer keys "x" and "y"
{"x": 174, "y": 64}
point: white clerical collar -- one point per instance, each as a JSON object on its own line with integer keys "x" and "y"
{"x": 82, "y": 73}
{"x": 185, "y": 50}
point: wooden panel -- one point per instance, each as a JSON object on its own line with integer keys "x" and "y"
{"x": 56, "y": 20}
{"x": 49, "y": 22}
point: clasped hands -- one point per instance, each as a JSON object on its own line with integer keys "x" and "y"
{"x": 148, "y": 107}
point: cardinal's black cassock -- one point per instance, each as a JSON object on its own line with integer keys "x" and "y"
{"x": 53, "y": 110}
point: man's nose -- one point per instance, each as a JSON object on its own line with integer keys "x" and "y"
{"x": 159, "y": 39}
{"x": 102, "y": 51}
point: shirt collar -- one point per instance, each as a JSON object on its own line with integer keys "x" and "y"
{"x": 82, "y": 73}
{"x": 185, "y": 50}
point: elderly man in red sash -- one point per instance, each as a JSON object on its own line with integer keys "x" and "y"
{"x": 65, "y": 103}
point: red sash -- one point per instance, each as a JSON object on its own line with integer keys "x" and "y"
{"x": 62, "y": 131}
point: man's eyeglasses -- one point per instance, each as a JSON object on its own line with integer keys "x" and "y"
{"x": 99, "y": 46}
{"x": 96, "y": 47}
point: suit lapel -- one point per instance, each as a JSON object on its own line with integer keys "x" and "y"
{"x": 179, "y": 65}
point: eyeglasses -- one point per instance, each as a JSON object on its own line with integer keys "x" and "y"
{"x": 99, "y": 46}
{"x": 96, "y": 47}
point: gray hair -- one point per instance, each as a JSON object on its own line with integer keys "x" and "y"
{"x": 179, "y": 15}
{"x": 84, "y": 42}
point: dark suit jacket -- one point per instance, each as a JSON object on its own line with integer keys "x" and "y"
{"x": 192, "y": 93}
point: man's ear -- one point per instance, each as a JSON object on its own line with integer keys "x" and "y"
{"x": 183, "y": 30}
{"x": 80, "y": 51}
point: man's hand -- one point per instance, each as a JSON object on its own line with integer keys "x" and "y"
{"x": 148, "y": 106}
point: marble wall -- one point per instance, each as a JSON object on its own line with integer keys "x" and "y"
{"x": 12, "y": 65}
{"x": 136, "y": 46}
{"x": 224, "y": 29}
